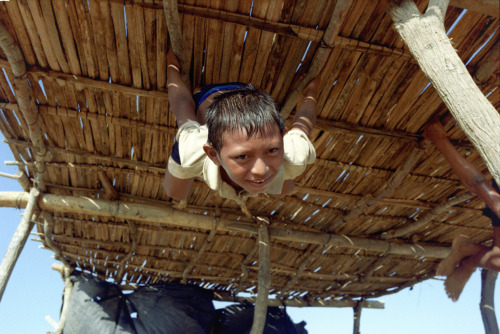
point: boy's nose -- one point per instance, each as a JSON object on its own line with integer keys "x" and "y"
{"x": 259, "y": 167}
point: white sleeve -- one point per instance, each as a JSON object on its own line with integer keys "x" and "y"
{"x": 299, "y": 152}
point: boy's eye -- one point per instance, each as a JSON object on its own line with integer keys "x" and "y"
{"x": 273, "y": 150}
{"x": 241, "y": 157}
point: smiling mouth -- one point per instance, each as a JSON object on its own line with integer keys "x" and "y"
{"x": 260, "y": 183}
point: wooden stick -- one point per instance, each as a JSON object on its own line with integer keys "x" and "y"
{"x": 264, "y": 281}
{"x": 321, "y": 56}
{"x": 487, "y": 304}
{"x": 18, "y": 241}
{"x": 425, "y": 36}
{"x": 108, "y": 187}
{"x": 27, "y": 103}
{"x": 167, "y": 216}
{"x": 373, "y": 304}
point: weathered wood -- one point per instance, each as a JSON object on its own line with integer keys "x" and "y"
{"x": 487, "y": 7}
{"x": 425, "y": 36}
{"x": 373, "y": 304}
{"x": 164, "y": 215}
{"x": 18, "y": 240}
{"x": 487, "y": 303}
{"x": 264, "y": 282}
{"x": 81, "y": 82}
{"x": 321, "y": 56}
{"x": 25, "y": 99}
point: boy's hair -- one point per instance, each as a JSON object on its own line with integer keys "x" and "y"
{"x": 244, "y": 108}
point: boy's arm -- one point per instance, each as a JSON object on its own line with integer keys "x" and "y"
{"x": 176, "y": 188}
{"x": 305, "y": 117}
{"x": 180, "y": 98}
{"x": 182, "y": 104}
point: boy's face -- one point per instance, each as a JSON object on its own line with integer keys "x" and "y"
{"x": 250, "y": 163}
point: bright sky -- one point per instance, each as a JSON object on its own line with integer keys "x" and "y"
{"x": 35, "y": 291}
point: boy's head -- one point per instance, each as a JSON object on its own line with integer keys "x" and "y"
{"x": 245, "y": 137}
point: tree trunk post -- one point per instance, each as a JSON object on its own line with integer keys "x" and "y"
{"x": 18, "y": 241}
{"x": 425, "y": 36}
{"x": 487, "y": 304}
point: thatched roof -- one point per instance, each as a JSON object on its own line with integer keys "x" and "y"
{"x": 375, "y": 212}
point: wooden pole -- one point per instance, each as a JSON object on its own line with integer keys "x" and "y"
{"x": 357, "y": 318}
{"x": 25, "y": 99}
{"x": 163, "y": 215}
{"x": 487, "y": 304}
{"x": 425, "y": 36}
{"x": 18, "y": 241}
{"x": 68, "y": 291}
{"x": 373, "y": 304}
{"x": 264, "y": 282}
{"x": 321, "y": 56}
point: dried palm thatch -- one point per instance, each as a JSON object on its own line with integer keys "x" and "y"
{"x": 373, "y": 214}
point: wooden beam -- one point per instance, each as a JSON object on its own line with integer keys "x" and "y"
{"x": 425, "y": 36}
{"x": 163, "y": 215}
{"x": 18, "y": 240}
{"x": 486, "y": 7}
{"x": 264, "y": 278}
{"x": 24, "y": 96}
{"x": 320, "y": 58}
{"x": 489, "y": 64}
{"x": 81, "y": 82}
{"x": 296, "y": 302}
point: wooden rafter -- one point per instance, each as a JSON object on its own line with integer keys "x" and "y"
{"x": 172, "y": 217}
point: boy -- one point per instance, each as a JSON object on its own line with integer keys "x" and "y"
{"x": 234, "y": 139}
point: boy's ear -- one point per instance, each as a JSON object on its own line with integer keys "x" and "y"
{"x": 211, "y": 153}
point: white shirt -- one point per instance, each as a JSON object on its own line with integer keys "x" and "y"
{"x": 191, "y": 136}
